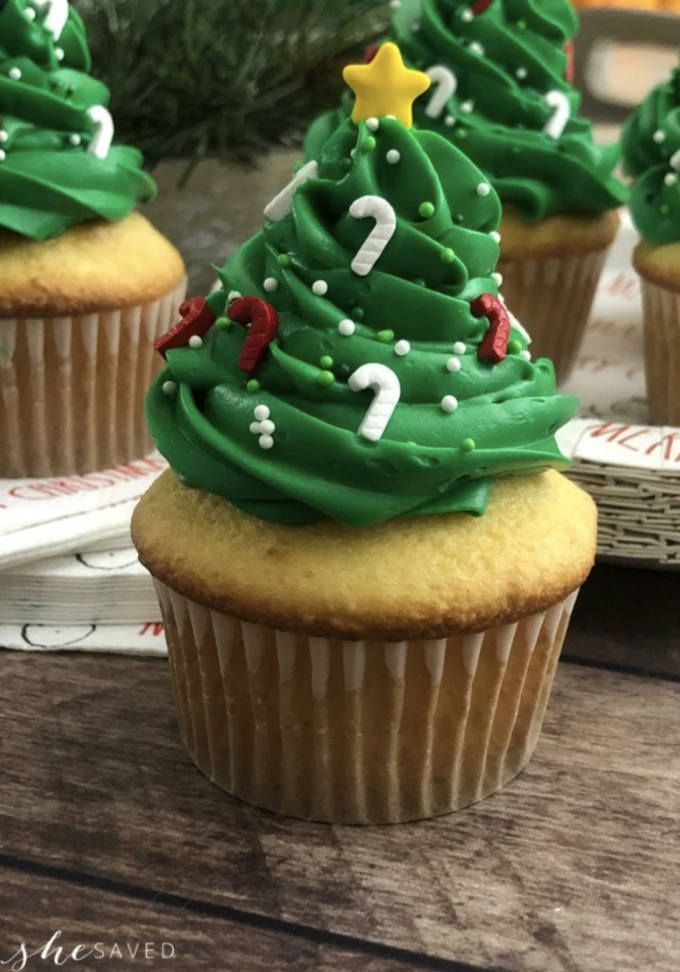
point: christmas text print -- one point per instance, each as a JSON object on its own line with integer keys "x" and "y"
{"x": 62, "y": 955}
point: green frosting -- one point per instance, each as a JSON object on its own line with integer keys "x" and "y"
{"x": 48, "y": 178}
{"x": 201, "y": 409}
{"x": 651, "y": 137}
{"x": 505, "y": 59}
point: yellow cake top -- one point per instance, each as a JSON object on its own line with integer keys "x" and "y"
{"x": 385, "y": 86}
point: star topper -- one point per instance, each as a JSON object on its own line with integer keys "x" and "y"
{"x": 385, "y": 86}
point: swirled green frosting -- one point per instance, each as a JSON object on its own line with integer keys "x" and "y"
{"x": 49, "y": 179}
{"x": 201, "y": 409}
{"x": 651, "y": 138}
{"x": 505, "y": 60}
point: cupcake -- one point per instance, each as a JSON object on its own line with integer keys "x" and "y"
{"x": 651, "y": 155}
{"x": 365, "y": 554}
{"x": 86, "y": 284}
{"x": 501, "y": 93}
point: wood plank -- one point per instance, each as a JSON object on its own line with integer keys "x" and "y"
{"x": 568, "y": 869}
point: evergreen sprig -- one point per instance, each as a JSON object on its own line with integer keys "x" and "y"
{"x": 223, "y": 78}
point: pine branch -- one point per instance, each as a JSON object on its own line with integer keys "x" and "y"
{"x": 223, "y": 78}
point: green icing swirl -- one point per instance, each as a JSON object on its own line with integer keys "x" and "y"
{"x": 654, "y": 204}
{"x": 47, "y": 183}
{"x": 496, "y": 116}
{"x": 419, "y": 291}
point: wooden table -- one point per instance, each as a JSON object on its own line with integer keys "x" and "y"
{"x": 110, "y": 835}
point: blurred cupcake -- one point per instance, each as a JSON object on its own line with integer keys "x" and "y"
{"x": 86, "y": 285}
{"x": 502, "y": 94}
{"x": 651, "y": 155}
{"x": 365, "y": 558}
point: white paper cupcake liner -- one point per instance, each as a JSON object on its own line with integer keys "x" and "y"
{"x": 552, "y": 299}
{"x": 661, "y": 312}
{"x": 72, "y": 389}
{"x": 359, "y": 732}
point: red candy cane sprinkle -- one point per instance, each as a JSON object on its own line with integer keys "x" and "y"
{"x": 197, "y": 319}
{"x": 494, "y": 347}
{"x": 370, "y": 53}
{"x": 263, "y": 321}
{"x": 480, "y": 6}
{"x": 569, "y": 70}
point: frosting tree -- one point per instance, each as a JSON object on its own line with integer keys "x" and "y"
{"x": 501, "y": 91}
{"x": 651, "y": 154}
{"x": 358, "y": 362}
{"x": 57, "y": 164}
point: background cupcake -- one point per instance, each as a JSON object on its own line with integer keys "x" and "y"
{"x": 651, "y": 154}
{"x": 502, "y": 94}
{"x": 364, "y": 568}
{"x": 86, "y": 285}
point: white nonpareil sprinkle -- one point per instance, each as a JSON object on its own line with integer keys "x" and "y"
{"x": 483, "y": 189}
{"x": 659, "y": 136}
{"x": 29, "y": 13}
{"x": 497, "y": 278}
{"x": 75, "y": 139}
{"x": 467, "y": 15}
{"x": 233, "y": 295}
{"x": 521, "y": 73}
{"x": 402, "y": 347}
{"x": 449, "y": 403}
{"x": 320, "y": 287}
{"x": 267, "y": 427}
{"x": 467, "y": 107}
{"x": 476, "y": 48}
{"x": 271, "y": 284}
{"x": 526, "y": 355}
{"x": 266, "y": 442}
{"x": 453, "y": 364}
{"x": 59, "y": 53}
{"x": 169, "y": 388}
{"x": 195, "y": 341}
{"x": 449, "y": 120}
{"x": 459, "y": 348}
{"x": 496, "y": 237}
{"x": 353, "y": 154}
{"x": 255, "y": 428}
{"x": 347, "y": 328}
{"x": 15, "y": 73}
{"x": 373, "y": 124}
{"x": 3, "y": 155}
{"x": 3, "y": 137}
{"x": 395, "y": 4}
{"x": 262, "y": 413}
{"x": 670, "y": 179}
{"x": 393, "y": 156}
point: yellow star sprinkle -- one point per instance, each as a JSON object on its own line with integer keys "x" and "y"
{"x": 385, "y": 86}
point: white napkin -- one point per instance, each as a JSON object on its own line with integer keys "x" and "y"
{"x": 138, "y": 639}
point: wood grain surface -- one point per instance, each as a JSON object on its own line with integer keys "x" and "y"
{"x": 109, "y": 831}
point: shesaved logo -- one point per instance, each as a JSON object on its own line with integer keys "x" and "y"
{"x": 54, "y": 952}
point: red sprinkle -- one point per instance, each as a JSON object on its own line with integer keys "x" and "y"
{"x": 264, "y": 324}
{"x": 370, "y": 53}
{"x": 494, "y": 347}
{"x": 569, "y": 70}
{"x": 480, "y": 6}
{"x": 197, "y": 319}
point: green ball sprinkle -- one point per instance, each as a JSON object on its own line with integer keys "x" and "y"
{"x": 419, "y": 282}
{"x": 346, "y": 163}
{"x": 358, "y": 313}
{"x": 253, "y": 386}
{"x": 426, "y": 210}
{"x": 385, "y": 336}
{"x": 326, "y": 361}
{"x": 326, "y": 378}
{"x": 665, "y": 210}
{"x": 460, "y": 132}
{"x": 369, "y": 143}
{"x": 447, "y": 255}
{"x": 343, "y": 371}
{"x": 224, "y": 324}
{"x": 283, "y": 260}
{"x": 468, "y": 445}
{"x": 521, "y": 25}
{"x": 514, "y": 347}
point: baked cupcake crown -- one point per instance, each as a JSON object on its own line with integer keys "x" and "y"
{"x": 57, "y": 164}
{"x": 358, "y": 362}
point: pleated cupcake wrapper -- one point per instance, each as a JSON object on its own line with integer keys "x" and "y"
{"x": 72, "y": 389}
{"x": 661, "y": 311}
{"x": 553, "y": 299}
{"x": 354, "y": 731}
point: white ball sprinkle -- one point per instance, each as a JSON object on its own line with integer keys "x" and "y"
{"x": 75, "y": 139}
{"x": 459, "y": 348}
{"x": 195, "y": 341}
{"x": 320, "y": 287}
{"x": 15, "y": 73}
{"x": 233, "y": 295}
{"x": 453, "y": 364}
{"x": 266, "y": 442}
{"x": 402, "y": 347}
{"x": 262, "y": 413}
{"x": 3, "y": 137}
{"x": 391, "y": 117}
{"x": 521, "y": 73}
{"x": 347, "y": 328}
{"x": 373, "y": 124}
{"x": 3, "y": 155}
{"x": 271, "y": 284}
{"x": 497, "y": 278}
{"x": 449, "y": 403}
{"x": 477, "y": 48}
{"x": 526, "y": 355}
{"x": 450, "y": 121}
{"x": 670, "y": 179}
{"x": 467, "y": 15}
{"x": 267, "y": 427}
{"x": 395, "y": 4}
{"x": 30, "y": 13}
{"x": 59, "y": 53}
{"x": 255, "y": 428}
{"x": 496, "y": 237}
{"x": 353, "y": 154}
{"x": 169, "y": 387}
{"x": 467, "y": 107}
{"x": 393, "y": 156}
{"x": 658, "y": 136}
{"x": 483, "y": 189}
